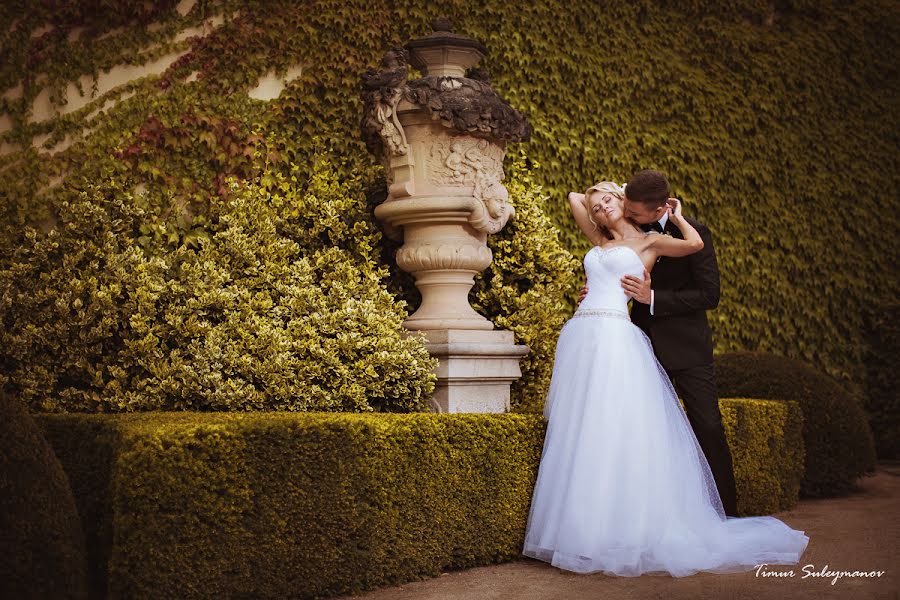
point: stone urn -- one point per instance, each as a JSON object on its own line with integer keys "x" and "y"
{"x": 442, "y": 139}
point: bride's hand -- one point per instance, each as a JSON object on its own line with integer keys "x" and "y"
{"x": 674, "y": 207}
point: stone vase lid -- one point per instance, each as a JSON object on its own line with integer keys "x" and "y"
{"x": 443, "y": 52}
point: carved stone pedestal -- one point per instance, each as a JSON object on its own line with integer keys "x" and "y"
{"x": 442, "y": 139}
{"x": 475, "y": 371}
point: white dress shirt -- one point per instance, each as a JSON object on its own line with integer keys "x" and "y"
{"x": 662, "y": 223}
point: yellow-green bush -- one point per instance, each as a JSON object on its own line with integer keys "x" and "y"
{"x": 766, "y": 443}
{"x": 290, "y": 505}
{"x": 275, "y": 505}
{"x": 838, "y": 442}
{"x": 174, "y": 313}
{"x": 109, "y": 312}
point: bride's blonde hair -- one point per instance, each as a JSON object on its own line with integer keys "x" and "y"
{"x": 605, "y": 187}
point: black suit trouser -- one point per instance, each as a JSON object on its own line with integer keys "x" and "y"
{"x": 697, "y": 388}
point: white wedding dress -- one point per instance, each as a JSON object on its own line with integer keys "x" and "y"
{"x": 623, "y": 487}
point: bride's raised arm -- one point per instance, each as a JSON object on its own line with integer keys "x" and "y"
{"x": 665, "y": 245}
{"x": 578, "y": 204}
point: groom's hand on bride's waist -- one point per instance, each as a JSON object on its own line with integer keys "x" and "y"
{"x": 583, "y": 293}
{"x": 639, "y": 289}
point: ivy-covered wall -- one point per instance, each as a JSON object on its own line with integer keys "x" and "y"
{"x": 776, "y": 121}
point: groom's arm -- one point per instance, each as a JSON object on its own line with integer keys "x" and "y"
{"x": 704, "y": 293}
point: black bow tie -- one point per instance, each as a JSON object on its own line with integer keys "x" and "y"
{"x": 655, "y": 226}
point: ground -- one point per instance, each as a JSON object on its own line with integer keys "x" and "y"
{"x": 859, "y": 531}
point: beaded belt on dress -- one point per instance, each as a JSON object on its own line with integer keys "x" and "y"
{"x": 601, "y": 312}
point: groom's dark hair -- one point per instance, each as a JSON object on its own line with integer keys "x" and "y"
{"x": 648, "y": 187}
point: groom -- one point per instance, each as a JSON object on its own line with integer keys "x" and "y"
{"x": 671, "y": 310}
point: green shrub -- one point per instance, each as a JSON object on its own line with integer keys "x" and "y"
{"x": 837, "y": 439}
{"x": 882, "y": 381}
{"x": 275, "y": 505}
{"x": 525, "y": 288}
{"x": 280, "y": 307}
{"x": 766, "y": 443}
{"x": 41, "y": 539}
{"x": 278, "y": 505}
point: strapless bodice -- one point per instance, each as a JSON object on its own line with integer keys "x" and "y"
{"x": 604, "y": 268}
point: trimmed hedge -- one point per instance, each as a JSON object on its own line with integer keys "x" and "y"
{"x": 299, "y": 505}
{"x": 41, "y": 540}
{"x": 882, "y": 380}
{"x": 766, "y": 443}
{"x": 276, "y": 505}
{"x": 836, "y": 435}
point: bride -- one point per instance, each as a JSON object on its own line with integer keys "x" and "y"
{"x": 623, "y": 487}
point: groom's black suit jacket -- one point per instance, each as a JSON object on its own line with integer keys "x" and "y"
{"x": 684, "y": 288}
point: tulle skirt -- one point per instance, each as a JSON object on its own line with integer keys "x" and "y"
{"x": 623, "y": 487}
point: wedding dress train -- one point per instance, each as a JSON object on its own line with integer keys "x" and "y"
{"x": 623, "y": 487}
